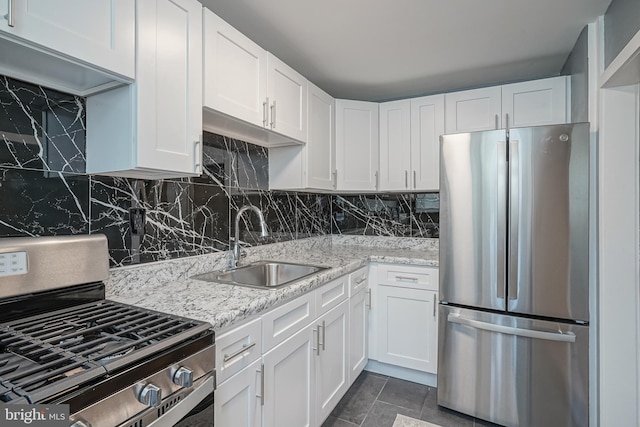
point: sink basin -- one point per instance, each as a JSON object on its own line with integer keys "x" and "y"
{"x": 263, "y": 274}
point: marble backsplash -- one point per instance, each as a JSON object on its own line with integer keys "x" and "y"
{"x": 45, "y": 190}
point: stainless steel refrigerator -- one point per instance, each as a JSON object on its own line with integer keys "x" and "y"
{"x": 513, "y": 344}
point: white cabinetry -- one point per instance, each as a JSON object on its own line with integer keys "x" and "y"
{"x": 289, "y": 382}
{"x": 237, "y": 401}
{"x": 332, "y": 371}
{"x": 534, "y": 103}
{"x": 359, "y": 306}
{"x": 406, "y": 298}
{"x": 287, "y": 99}
{"x": 235, "y": 77}
{"x": 473, "y": 110}
{"x": 71, "y": 45}
{"x": 248, "y": 92}
{"x": 311, "y": 165}
{"x": 152, "y": 128}
{"x": 395, "y": 145}
{"x": 357, "y": 145}
{"x": 427, "y": 124}
{"x": 410, "y": 143}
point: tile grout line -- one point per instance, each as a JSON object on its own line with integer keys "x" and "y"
{"x": 375, "y": 400}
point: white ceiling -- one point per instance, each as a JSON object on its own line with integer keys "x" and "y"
{"x": 377, "y": 50}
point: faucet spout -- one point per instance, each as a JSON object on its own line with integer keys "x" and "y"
{"x": 263, "y": 230}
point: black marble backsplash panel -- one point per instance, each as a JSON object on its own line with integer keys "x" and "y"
{"x": 44, "y": 190}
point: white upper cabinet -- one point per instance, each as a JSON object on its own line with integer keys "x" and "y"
{"x": 287, "y": 99}
{"x": 152, "y": 128}
{"x": 427, "y": 124}
{"x": 321, "y": 141}
{"x": 357, "y": 145}
{"x": 532, "y": 103}
{"x": 410, "y": 143}
{"x": 313, "y": 165}
{"x": 235, "y": 78}
{"x": 249, "y": 93}
{"x": 535, "y": 103}
{"x": 74, "y": 46}
{"x": 395, "y": 145}
{"x": 473, "y": 110}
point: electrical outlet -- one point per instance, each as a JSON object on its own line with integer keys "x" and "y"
{"x": 137, "y": 220}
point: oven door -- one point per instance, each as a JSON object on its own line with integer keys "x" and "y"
{"x": 195, "y": 410}
{"x": 201, "y": 415}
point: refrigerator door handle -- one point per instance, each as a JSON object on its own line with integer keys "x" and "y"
{"x": 502, "y": 227}
{"x": 528, "y": 333}
{"x": 514, "y": 214}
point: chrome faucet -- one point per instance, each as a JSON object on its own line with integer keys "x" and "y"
{"x": 263, "y": 230}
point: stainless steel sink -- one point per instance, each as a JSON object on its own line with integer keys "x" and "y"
{"x": 263, "y": 274}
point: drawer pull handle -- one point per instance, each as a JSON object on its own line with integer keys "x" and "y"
{"x": 407, "y": 278}
{"x": 361, "y": 280}
{"x": 245, "y": 347}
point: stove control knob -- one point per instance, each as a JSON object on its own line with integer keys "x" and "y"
{"x": 183, "y": 377}
{"x": 151, "y": 395}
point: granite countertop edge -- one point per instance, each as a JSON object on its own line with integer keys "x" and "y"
{"x": 223, "y": 305}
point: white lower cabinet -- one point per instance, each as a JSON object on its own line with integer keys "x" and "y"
{"x": 238, "y": 400}
{"x": 289, "y": 388}
{"x": 315, "y": 346}
{"x": 408, "y": 327}
{"x": 358, "y": 337}
{"x": 332, "y": 372}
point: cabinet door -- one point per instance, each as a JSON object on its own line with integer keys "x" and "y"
{"x": 332, "y": 371}
{"x": 358, "y": 343}
{"x": 169, "y": 83}
{"x": 235, "y": 72}
{"x": 289, "y": 382}
{"x": 238, "y": 401}
{"x": 287, "y": 92}
{"x": 407, "y": 327}
{"x": 473, "y": 110}
{"x": 535, "y": 103}
{"x": 395, "y": 145}
{"x": 98, "y": 32}
{"x": 357, "y": 145}
{"x": 320, "y": 148}
{"x": 427, "y": 124}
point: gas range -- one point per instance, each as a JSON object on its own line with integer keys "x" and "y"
{"x": 112, "y": 363}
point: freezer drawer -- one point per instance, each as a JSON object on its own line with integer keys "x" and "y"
{"x": 513, "y": 371}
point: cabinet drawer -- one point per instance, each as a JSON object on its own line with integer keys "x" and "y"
{"x": 331, "y": 294}
{"x": 284, "y": 321}
{"x": 237, "y": 349}
{"x": 409, "y": 276}
{"x": 358, "y": 280}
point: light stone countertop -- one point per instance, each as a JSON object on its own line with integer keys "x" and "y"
{"x": 167, "y": 287}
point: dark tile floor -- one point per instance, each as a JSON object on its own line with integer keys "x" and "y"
{"x": 374, "y": 401}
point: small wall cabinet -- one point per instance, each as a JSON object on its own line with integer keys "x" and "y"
{"x": 532, "y": 103}
{"x": 249, "y": 93}
{"x": 73, "y": 46}
{"x": 152, "y": 129}
{"x": 357, "y": 145}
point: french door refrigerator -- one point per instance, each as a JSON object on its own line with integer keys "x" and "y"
{"x": 514, "y": 256}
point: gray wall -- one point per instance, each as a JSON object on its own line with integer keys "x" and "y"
{"x": 577, "y": 66}
{"x": 621, "y": 23}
